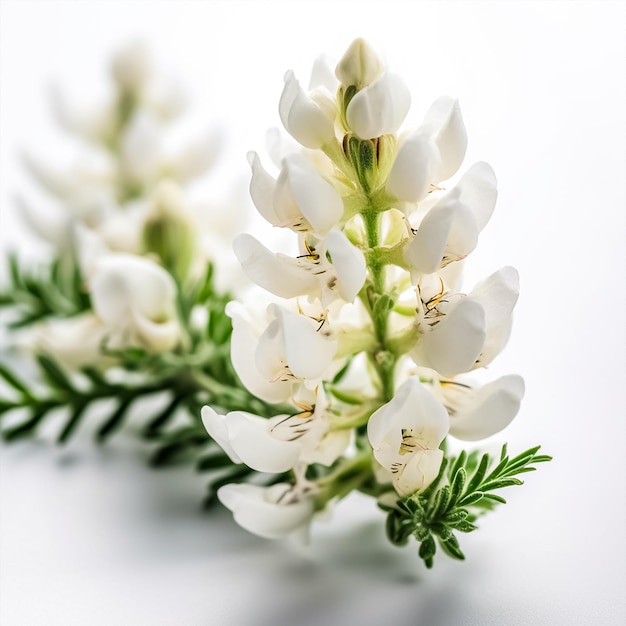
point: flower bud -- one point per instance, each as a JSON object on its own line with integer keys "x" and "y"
{"x": 131, "y": 68}
{"x": 359, "y": 66}
{"x": 168, "y": 231}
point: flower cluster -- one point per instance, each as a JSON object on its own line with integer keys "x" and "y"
{"x": 122, "y": 217}
{"x": 370, "y": 336}
{"x": 350, "y": 369}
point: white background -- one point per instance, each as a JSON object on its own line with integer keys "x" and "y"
{"x": 90, "y": 536}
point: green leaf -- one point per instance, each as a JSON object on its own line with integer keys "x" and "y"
{"x": 153, "y": 427}
{"x": 440, "y": 504}
{"x": 456, "y": 488}
{"x": 54, "y": 373}
{"x": 479, "y": 474}
{"x": 12, "y": 380}
{"x": 115, "y": 421}
{"x": 451, "y": 547}
{"x": 26, "y": 428}
{"x": 73, "y": 421}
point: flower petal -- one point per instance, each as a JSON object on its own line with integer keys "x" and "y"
{"x": 349, "y": 264}
{"x": 255, "y": 508}
{"x": 243, "y": 347}
{"x": 415, "y": 167}
{"x": 478, "y": 189}
{"x": 489, "y": 410}
{"x": 262, "y": 187}
{"x": 444, "y": 117}
{"x": 277, "y": 274}
{"x": 303, "y": 119}
{"x": 498, "y": 295}
{"x": 380, "y": 108}
{"x": 215, "y": 425}
{"x": 454, "y": 344}
{"x": 315, "y": 198}
{"x": 360, "y": 65}
{"x": 419, "y": 472}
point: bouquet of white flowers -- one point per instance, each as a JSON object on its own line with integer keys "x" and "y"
{"x": 353, "y": 370}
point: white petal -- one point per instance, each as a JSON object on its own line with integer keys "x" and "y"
{"x": 444, "y": 117}
{"x": 498, "y": 295}
{"x": 478, "y": 189}
{"x": 415, "y": 167}
{"x": 420, "y": 471}
{"x": 255, "y": 509}
{"x": 349, "y": 263}
{"x": 380, "y": 108}
{"x": 294, "y": 338}
{"x": 275, "y": 273}
{"x": 215, "y": 425}
{"x": 305, "y": 121}
{"x": 123, "y": 281}
{"x": 316, "y": 199}
{"x": 251, "y": 438}
{"x": 412, "y": 407}
{"x": 262, "y": 187}
{"x": 360, "y": 65}
{"x": 243, "y": 347}
{"x": 489, "y": 410}
{"x": 140, "y": 147}
{"x": 447, "y": 233}
{"x": 322, "y": 75}
{"x": 454, "y": 344}
{"x": 329, "y": 449}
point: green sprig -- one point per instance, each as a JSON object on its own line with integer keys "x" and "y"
{"x": 434, "y": 516}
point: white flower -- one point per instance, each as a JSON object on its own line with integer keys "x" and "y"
{"x": 478, "y": 413}
{"x": 292, "y": 348}
{"x": 461, "y": 332}
{"x": 248, "y": 326}
{"x": 274, "y": 360}
{"x": 310, "y": 273}
{"x": 300, "y": 199}
{"x": 74, "y": 341}
{"x": 405, "y": 435}
{"x": 270, "y": 512}
{"x": 431, "y": 154}
{"x": 304, "y": 119}
{"x": 277, "y": 444}
{"x": 379, "y": 108}
{"x": 449, "y": 231}
{"x": 453, "y": 332}
{"x": 136, "y": 301}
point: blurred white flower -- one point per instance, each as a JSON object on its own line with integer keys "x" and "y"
{"x": 136, "y": 300}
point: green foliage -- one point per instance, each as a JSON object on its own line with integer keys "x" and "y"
{"x": 462, "y": 491}
{"x": 197, "y": 372}
{"x": 53, "y": 290}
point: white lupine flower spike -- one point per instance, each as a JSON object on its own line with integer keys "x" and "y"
{"x": 374, "y": 321}
{"x": 350, "y": 364}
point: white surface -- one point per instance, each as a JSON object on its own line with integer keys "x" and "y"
{"x": 90, "y": 536}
